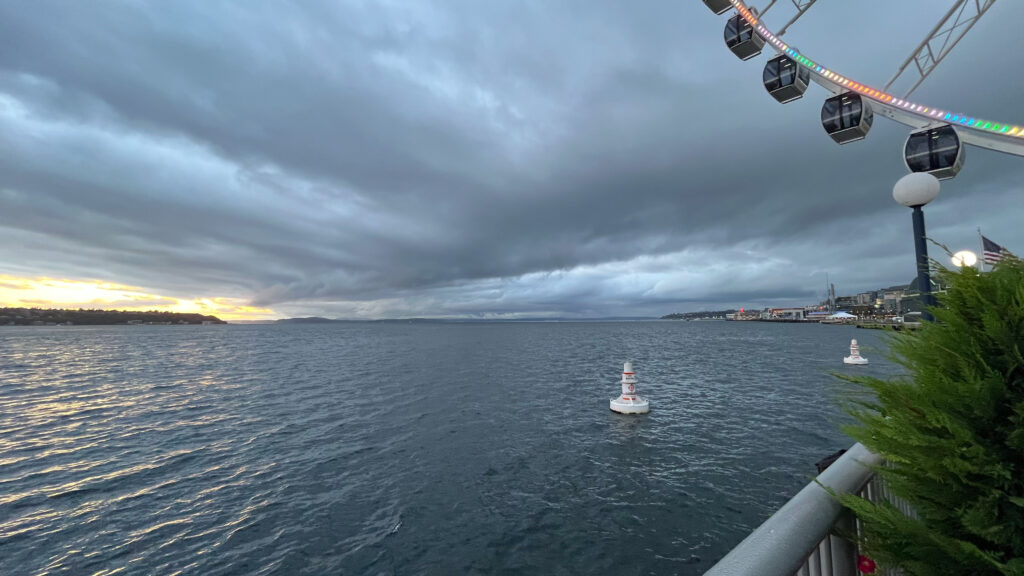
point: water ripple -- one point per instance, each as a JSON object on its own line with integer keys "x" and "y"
{"x": 419, "y": 449}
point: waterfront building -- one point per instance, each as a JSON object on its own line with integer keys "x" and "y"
{"x": 844, "y": 302}
{"x": 862, "y": 310}
{"x": 743, "y": 314}
{"x": 817, "y": 315}
{"x": 866, "y": 298}
{"x": 892, "y": 300}
{"x": 788, "y": 313}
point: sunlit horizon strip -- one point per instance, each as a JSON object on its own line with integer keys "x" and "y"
{"x": 878, "y": 95}
{"x": 62, "y": 293}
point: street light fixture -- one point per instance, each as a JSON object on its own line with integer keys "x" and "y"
{"x": 964, "y": 258}
{"x": 914, "y": 191}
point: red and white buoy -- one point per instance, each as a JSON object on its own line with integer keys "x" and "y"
{"x": 854, "y": 357}
{"x": 629, "y": 402}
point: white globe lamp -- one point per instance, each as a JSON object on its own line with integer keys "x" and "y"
{"x": 916, "y": 189}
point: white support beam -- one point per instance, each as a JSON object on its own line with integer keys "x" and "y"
{"x": 801, "y": 7}
{"x": 768, "y": 7}
{"x": 941, "y": 40}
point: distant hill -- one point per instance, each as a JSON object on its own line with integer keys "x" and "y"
{"x": 52, "y": 317}
{"x": 704, "y": 315}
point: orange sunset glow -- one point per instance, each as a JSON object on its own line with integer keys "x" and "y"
{"x": 18, "y": 292}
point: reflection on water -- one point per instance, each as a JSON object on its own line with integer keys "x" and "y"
{"x": 403, "y": 448}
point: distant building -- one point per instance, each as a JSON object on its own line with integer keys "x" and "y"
{"x": 862, "y": 311}
{"x": 788, "y": 313}
{"x": 845, "y": 302}
{"x": 866, "y": 298}
{"x": 743, "y": 314}
{"x": 892, "y": 301}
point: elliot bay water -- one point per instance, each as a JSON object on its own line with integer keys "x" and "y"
{"x": 424, "y": 448}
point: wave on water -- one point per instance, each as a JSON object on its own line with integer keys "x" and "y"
{"x": 423, "y": 448}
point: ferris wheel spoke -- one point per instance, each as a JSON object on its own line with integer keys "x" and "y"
{"x": 941, "y": 40}
{"x": 801, "y": 7}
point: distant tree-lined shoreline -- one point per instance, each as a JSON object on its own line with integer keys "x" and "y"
{"x": 704, "y": 315}
{"x": 81, "y": 316}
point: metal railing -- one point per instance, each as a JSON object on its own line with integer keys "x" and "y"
{"x": 803, "y": 537}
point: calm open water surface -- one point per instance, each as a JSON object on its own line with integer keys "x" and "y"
{"x": 407, "y": 448}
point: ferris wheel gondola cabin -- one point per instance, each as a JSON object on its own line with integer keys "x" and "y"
{"x": 718, "y": 6}
{"x": 937, "y": 150}
{"x": 847, "y": 117}
{"x": 784, "y": 79}
{"x": 741, "y": 38}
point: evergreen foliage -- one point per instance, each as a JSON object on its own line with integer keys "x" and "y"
{"x": 952, "y": 431}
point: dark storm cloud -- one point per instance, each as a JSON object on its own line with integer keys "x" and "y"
{"x": 384, "y": 159}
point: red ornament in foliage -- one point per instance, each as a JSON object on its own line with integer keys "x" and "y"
{"x": 865, "y": 564}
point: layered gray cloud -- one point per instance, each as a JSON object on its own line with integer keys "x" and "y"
{"x": 466, "y": 158}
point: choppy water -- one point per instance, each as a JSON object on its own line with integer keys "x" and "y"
{"x": 405, "y": 449}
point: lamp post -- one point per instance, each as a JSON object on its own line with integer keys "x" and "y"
{"x": 914, "y": 191}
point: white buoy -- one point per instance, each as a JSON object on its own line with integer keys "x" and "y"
{"x": 629, "y": 402}
{"x": 854, "y": 357}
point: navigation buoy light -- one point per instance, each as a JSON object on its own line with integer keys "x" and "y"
{"x": 741, "y": 38}
{"x": 846, "y": 117}
{"x": 937, "y": 151}
{"x": 854, "y": 357}
{"x": 718, "y": 6}
{"x": 784, "y": 79}
{"x": 629, "y": 402}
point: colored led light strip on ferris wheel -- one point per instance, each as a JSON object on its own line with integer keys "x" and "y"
{"x": 935, "y": 113}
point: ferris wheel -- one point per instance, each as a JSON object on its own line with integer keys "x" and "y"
{"x": 938, "y": 137}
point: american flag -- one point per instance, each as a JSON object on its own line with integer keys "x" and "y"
{"x": 993, "y": 252}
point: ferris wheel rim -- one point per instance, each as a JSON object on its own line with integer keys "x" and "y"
{"x": 1008, "y": 138}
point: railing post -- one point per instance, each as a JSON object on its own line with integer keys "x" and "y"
{"x": 844, "y": 552}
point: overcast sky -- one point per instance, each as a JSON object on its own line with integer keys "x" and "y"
{"x": 581, "y": 158}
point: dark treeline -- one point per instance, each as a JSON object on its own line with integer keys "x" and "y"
{"x": 40, "y": 316}
{"x": 698, "y": 315}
